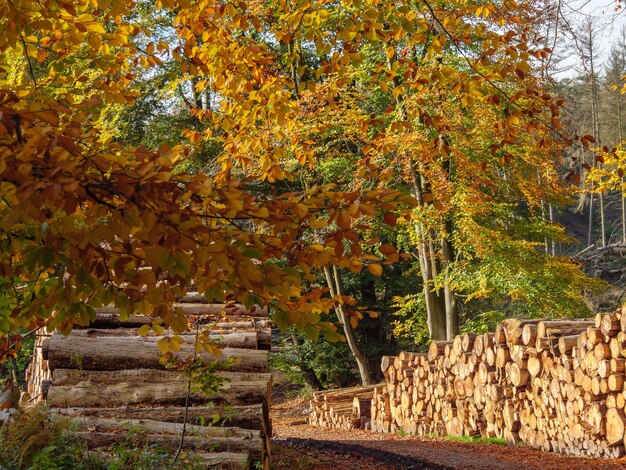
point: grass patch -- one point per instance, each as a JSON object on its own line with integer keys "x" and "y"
{"x": 466, "y": 439}
{"x": 477, "y": 440}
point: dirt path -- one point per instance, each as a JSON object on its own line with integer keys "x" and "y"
{"x": 299, "y": 446}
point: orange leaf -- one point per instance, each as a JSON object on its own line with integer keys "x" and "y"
{"x": 375, "y": 269}
{"x": 390, "y": 219}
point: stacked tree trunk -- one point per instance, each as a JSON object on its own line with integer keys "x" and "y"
{"x": 346, "y": 408}
{"x": 107, "y": 378}
{"x": 37, "y": 372}
{"x": 554, "y": 385}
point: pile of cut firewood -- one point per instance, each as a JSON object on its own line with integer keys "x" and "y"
{"x": 557, "y": 385}
{"x": 345, "y": 408}
{"x": 110, "y": 380}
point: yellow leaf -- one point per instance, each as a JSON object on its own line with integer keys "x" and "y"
{"x": 96, "y": 28}
{"x": 144, "y": 330}
{"x": 175, "y": 342}
{"x": 163, "y": 345}
{"x": 179, "y": 323}
{"x": 211, "y": 348}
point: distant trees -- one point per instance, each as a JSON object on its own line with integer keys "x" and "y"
{"x": 593, "y": 109}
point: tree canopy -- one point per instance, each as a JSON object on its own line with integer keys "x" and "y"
{"x": 431, "y": 113}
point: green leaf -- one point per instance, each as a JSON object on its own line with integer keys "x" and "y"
{"x": 253, "y": 252}
{"x": 312, "y": 332}
{"x": 280, "y": 320}
{"x": 334, "y": 337}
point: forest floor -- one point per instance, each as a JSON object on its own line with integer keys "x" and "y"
{"x": 298, "y": 446}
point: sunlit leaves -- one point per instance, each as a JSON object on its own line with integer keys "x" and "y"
{"x": 375, "y": 269}
{"x": 85, "y": 218}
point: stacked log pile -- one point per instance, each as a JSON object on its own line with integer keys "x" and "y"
{"x": 37, "y": 372}
{"x": 346, "y": 408}
{"x": 554, "y": 385}
{"x": 107, "y": 378}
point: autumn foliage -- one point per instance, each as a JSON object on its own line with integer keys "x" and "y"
{"x": 441, "y": 117}
{"x": 87, "y": 221}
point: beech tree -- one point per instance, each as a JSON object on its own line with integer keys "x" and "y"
{"x": 87, "y": 219}
{"x": 475, "y": 138}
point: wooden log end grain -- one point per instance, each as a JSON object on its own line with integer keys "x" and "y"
{"x": 615, "y": 426}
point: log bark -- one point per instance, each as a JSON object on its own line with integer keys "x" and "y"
{"x": 114, "y": 353}
{"x": 240, "y": 340}
{"x": 113, "y": 320}
{"x": 199, "y": 308}
{"x": 242, "y": 416}
{"x": 225, "y": 460}
{"x": 72, "y": 388}
{"x": 560, "y": 327}
{"x": 106, "y": 439}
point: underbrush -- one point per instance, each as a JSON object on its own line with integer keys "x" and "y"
{"x": 34, "y": 442}
{"x": 286, "y": 458}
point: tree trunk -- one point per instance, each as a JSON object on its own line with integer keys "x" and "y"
{"x": 72, "y": 388}
{"x": 590, "y": 227}
{"x": 244, "y": 416}
{"x": 596, "y": 130}
{"x": 334, "y": 285}
{"x": 452, "y": 314}
{"x": 551, "y": 215}
{"x": 622, "y": 189}
{"x": 602, "y": 220}
{"x": 236, "y": 339}
{"x": 121, "y": 352}
{"x": 436, "y": 311}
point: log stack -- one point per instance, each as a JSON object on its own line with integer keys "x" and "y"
{"x": 107, "y": 378}
{"x": 554, "y": 385}
{"x": 345, "y": 408}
